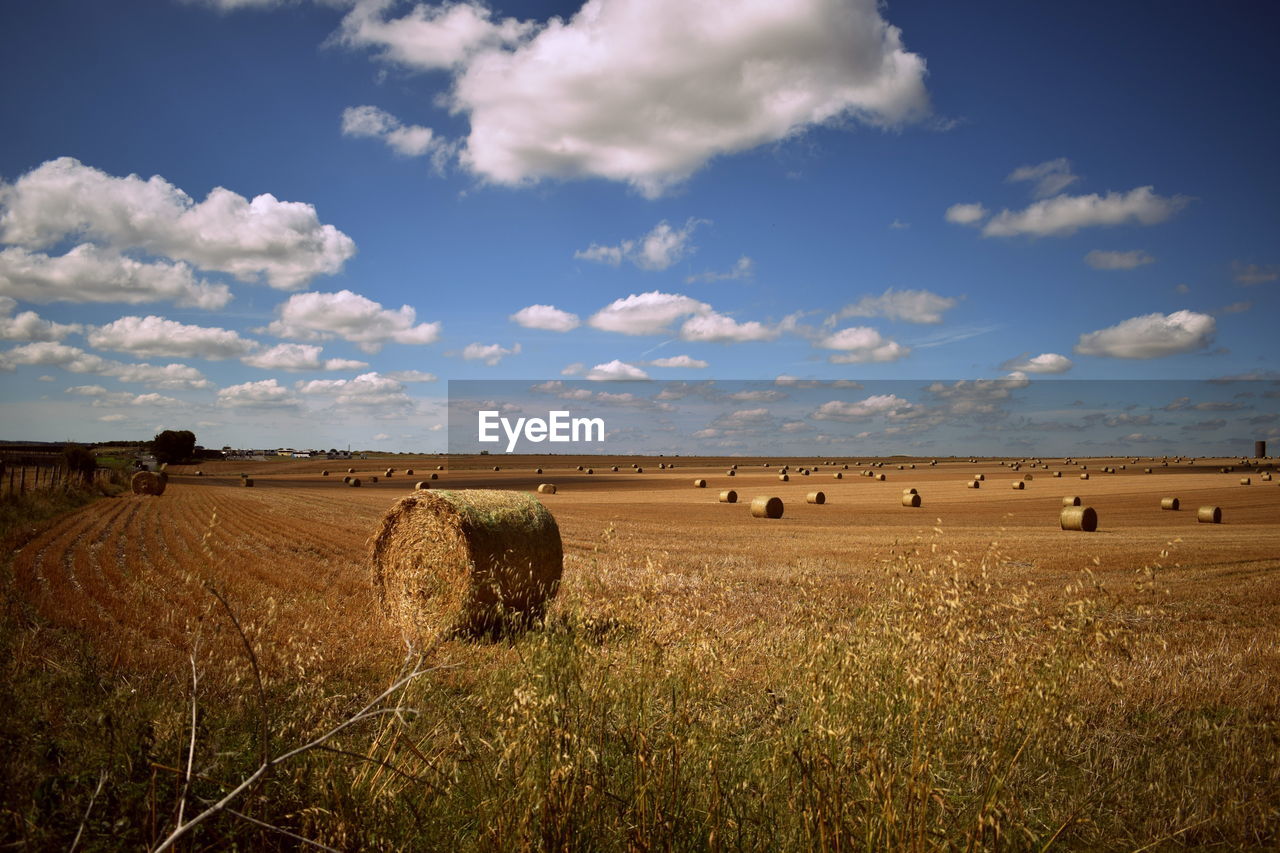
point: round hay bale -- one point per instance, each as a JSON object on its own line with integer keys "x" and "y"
{"x": 662, "y": 466}
{"x": 764, "y": 507}
{"x": 422, "y": 484}
{"x": 1169, "y": 503}
{"x": 1079, "y": 518}
{"x": 201, "y": 474}
{"x": 1028, "y": 476}
{"x": 324, "y": 473}
{"x": 466, "y": 563}
{"x": 354, "y": 482}
{"x": 699, "y": 484}
{"x": 349, "y": 471}
{"x": 579, "y": 467}
{"x": 880, "y": 478}
{"x": 537, "y": 470}
{"x": 1057, "y": 474}
{"x": 614, "y": 469}
{"x": 1146, "y": 470}
{"x": 911, "y": 500}
{"x": 910, "y": 491}
{"x": 733, "y": 467}
{"x": 247, "y": 482}
{"x": 784, "y": 477}
{"x": 546, "y": 488}
{"x": 347, "y": 479}
{"x": 435, "y": 476}
{"x": 728, "y": 496}
{"x": 147, "y": 483}
{"x": 731, "y": 473}
{"x": 1209, "y": 515}
{"x": 639, "y": 470}
{"x": 1084, "y": 476}
{"x": 496, "y": 468}
{"x": 837, "y": 476}
{"x": 1244, "y": 481}
{"x": 1264, "y": 477}
{"x": 816, "y": 498}
{"x": 373, "y": 479}
{"x": 390, "y": 471}
{"x": 591, "y": 470}
{"x": 980, "y": 477}
{"x": 1019, "y": 484}
{"x": 439, "y": 467}
{"x": 974, "y": 484}
{"x": 408, "y": 472}
{"x": 1071, "y": 500}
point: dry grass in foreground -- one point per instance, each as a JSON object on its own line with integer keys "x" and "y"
{"x": 918, "y": 700}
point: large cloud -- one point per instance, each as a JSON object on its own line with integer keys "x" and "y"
{"x": 878, "y": 404}
{"x": 282, "y": 242}
{"x": 76, "y": 360}
{"x": 299, "y": 357}
{"x": 1151, "y": 336}
{"x": 367, "y": 389}
{"x": 861, "y": 345}
{"x": 352, "y": 317}
{"x": 266, "y": 394}
{"x": 30, "y": 326}
{"x": 1063, "y": 215}
{"x": 647, "y": 91}
{"x": 90, "y": 273}
{"x": 152, "y": 336}
{"x": 650, "y": 313}
{"x": 546, "y": 317}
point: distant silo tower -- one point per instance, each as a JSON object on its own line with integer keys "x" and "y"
{"x": 1259, "y": 449}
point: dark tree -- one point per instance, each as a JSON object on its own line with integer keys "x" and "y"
{"x": 173, "y": 446}
{"x": 80, "y": 462}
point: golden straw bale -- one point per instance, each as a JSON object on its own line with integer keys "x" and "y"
{"x": 247, "y": 482}
{"x": 699, "y": 484}
{"x": 147, "y": 483}
{"x": 1078, "y": 518}
{"x": 1019, "y": 484}
{"x": 1209, "y": 515}
{"x": 765, "y": 507}
{"x": 1169, "y": 503}
{"x": 546, "y": 488}
{"x": 466, "y": 563}
{"x": 422, "y": 484}
{"x": 816, "y": 498}
{"x": 354, "y": 482}
{"x": 1071, "y": 501}
{"x": 911, "y": 500}
{"x": 784, "y": 477}
{"x": 728, "y": 496}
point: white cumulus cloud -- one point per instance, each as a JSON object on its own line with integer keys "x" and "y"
{"x": 1063, "y": 215}
{"x": 877, "y": 404}
{"x": 408, "y": 140}
{"x": 153, "y": 336}
{"x": 265, "y": 394}
{"x": 282, "y": 242}
{"x": 650, "y": 313}
{"x": 298, "y": 357}
{"x": 713, "y": 327}
{"x": 1151, "y": 336}
{"x": 911, "y": 306}
{"x": 966, "y": 214}
{"x": 89, "y": 273}
{"x": 657, "y": 250}
{"x": 352, "y": 317}
{"x": 861, "y": 345}
{"x": 490, "y": 354}
{"x": 30, "y": 326}
{"x": 546, "y": 317}
{"x": 76, "y": 360}
{"x": 616, "y": 370}
{"x": 679, "y": 361}
{"x": 1049, "y": 178}
{"x": 368, "y": 389}
{"x": 1045, "y": 362}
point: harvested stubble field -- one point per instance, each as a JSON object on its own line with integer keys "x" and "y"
{"x": 857, "y": 674}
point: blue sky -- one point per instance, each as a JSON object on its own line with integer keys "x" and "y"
{"x": 683, "y": 191}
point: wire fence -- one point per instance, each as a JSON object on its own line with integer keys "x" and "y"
{"x": 29, "y": 472}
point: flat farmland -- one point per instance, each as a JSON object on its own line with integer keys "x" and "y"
{"x": 782, "y": 656}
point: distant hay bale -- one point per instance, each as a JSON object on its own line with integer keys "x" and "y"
{"x": 784, "y": 477}
{"x": 837, "y": 476}
{"x": 422, "y": 484}
{"x": 354, "y": 482}
{"x": 390, "y": 471}
{"x": 1028, "y": 476}
{"x": 546, "y": 488}
{"x": 435, "y": 476}
{"x": 408, "y": 472}
{"x": 591, "y": 471}
{"x": 733, "y": 467}
{"x": 247, "y": 482}
{"x": 980, "y": 476}
{"x": 496, "y": 468}
{"x": 1169, "y": 503}
{"x": 1084, "y": 476}
{"x": 910, "y": 490}
{"x": 537, "y": 470}
{"x": 324, "y": 473}
{"x": 1209, "y": 515}
{"x": 1266, "y": 477}
{"x": 579, "y": 467}
{"x": 662, "y": 466}
{"x": 639, "y": 470}
{"x": 466, "y": 563}
{"x": 911, "y": 500}
{"x": 728, "y": 496}
{"x": 974, "y": 484}
{"x": 1071, "y": 500}
{"x": 439, "y": 467}
{"x": 765, "y": 507}
{"x": 614, "y": 469}
{"x": 351, "y": 470}
{"x": 1078, "y": 518}
{"x": 816, "y": 498}
{"x": 880, "y": 478}
{"x": 347, "y": 479}
{"x": 1019, "y": 484}
{"x": 1146, "y": 470}
{"x": 731, "y": 473}
{"x": 1245, "y": 481}
{"x": 201, "y": 474}
{"x": 147, "y": 483}
{"x": 1057, "y": 474}
{"x": 373, "y": 479}
{"x": 699, "y": 484}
